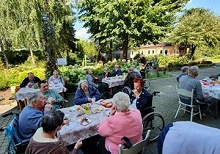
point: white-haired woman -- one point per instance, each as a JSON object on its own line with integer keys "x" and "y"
{"x": 122, "y": 122}
{"x": 85, "y": 93}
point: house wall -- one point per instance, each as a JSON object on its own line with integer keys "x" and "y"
{"x": 155, "y": 50}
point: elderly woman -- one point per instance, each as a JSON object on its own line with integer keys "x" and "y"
{"x": 141, "y": 97}
{"x": 90, "y": 78}
{"x": 31, "y": 116}
{"x": 56, "y": 78}
{"x": 106, "y": 73}
{"x": 85, "y": 93}
{"x": 121, "y": 122}
{"x": 184, "y": 70}
{"x": 45, "y": 140}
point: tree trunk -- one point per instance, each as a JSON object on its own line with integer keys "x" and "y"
{"x": 32, "y": 56}
{"x": 193, "y": 51}
{"x": 48, "y": 33}
{"x": 3, "y": 47}
{"x": 125, "y": 47}
{"x": 110, "y": 50}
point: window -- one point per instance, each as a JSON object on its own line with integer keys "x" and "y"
{"x": 166, "y": 52}
{"x": 152, "y": 51}
{"x": 142, "y": 52}
{"x": 148, "y": 52}
{"x": 161, "y": 51}
{"x": 132, "y": 53}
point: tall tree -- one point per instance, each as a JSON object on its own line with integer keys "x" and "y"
{"x": 197, "y": 27}
{"x": 142, "y": 20}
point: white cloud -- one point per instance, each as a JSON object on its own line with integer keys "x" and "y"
{"x": 82, "y": 33}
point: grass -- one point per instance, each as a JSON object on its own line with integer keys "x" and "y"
{"x": 214, "y": 60}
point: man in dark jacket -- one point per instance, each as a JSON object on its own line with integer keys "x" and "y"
{"x": 30, "y": 80}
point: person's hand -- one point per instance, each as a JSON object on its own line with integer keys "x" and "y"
{"x": 90, "y": 100}
{"x": 47, "y": 107}
{"x": 78, "y": 144}
{"x": 113, "y": 111}
{"x": 136, "y": 93}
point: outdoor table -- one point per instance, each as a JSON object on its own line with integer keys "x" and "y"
{"x": 69, "y": 134}
{"x": 114, "y": 81}
{"x": 212, "y": 89}
{"x": 24, "y": 92}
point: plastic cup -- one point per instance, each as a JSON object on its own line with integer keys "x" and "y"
{"x": 93, "y": 100}
{"x": 87, "y": 111}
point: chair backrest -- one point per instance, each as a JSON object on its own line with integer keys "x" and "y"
{"x": 136, "y": 148}
{"x": 185, "y": 96}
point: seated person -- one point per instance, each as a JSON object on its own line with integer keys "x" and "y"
{"x": 185, "y": 137}
{"x": 106, "y": 73}
{"x": 85, "y": 93}
{"x": 31, "y": 116}
{"x": 56, "y": 78}
{"x": 53, "y": 96}
{"x": 116, "y": 125}
{"x": 45, "y": 139}
{"x": 116, "y": 71}
{"x": 30, "y": 80}
{"x": 130, "y": 77}
{"x": 189, "y": 82}
{"x": 141, "y": 97}
{"x": 217, "y": 76}
{"x": 184, "y": 70}
{"x": 90, "y": 78}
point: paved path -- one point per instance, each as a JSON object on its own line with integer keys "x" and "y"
{"x": 166, "y": 104}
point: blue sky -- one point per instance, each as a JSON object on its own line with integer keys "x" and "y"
{"x": 213, "y": 5}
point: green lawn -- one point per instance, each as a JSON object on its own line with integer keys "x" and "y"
{"x": 214, "y": 60}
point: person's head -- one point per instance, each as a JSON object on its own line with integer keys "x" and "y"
{"x": 43, "y": 86}
{"x": 131, "y": 69}
{"x": 52, "y": 121}
{"x": 193, "y": 71}
{"x": 55, "y": 74}
{"x": 30, "y": 76}
{"x": 138, "y": 84}
{"x": 36, "y": 100}
{"x": 88, "y": 71}
{"x": 116, "y": 67}
{"x": 83, "y": 85}
{"x": 121, "y": 101}
{"x": 185, "y": 69}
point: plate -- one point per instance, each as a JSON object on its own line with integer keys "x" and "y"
{"x": 84, "y": 121}
{"x": 97, "y": 110}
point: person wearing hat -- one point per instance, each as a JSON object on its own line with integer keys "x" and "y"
{"x": 85, "y": 93}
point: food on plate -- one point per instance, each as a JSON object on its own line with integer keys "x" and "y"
{"x": 84, "y": 121}
{"x": 97, "y": 109}
{"x": 106, "y": 103}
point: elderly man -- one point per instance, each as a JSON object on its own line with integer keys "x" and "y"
{"x": 130, "y": 77}
{"x": 85, "y": 93}
{"x": 31, "y": 116}
{"x": 190, "y": 82}
{"x": 116, "y": 71}
{"x": 30, "y": 80}
{"x": 45, "y": 139}
{"x": 53, "y": 96}
{"x": 56, "y": 78}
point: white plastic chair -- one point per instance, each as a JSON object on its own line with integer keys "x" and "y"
{"x": 182, "y": 106}
{"x": 136, "y": 148}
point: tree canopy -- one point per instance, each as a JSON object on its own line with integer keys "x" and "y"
{"x": 42, "y": 24}
{"x": 197, "y": 27}
{"x": 142, "y": 20}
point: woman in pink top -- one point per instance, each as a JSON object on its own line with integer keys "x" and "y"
{"x": 122, "y": 122}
